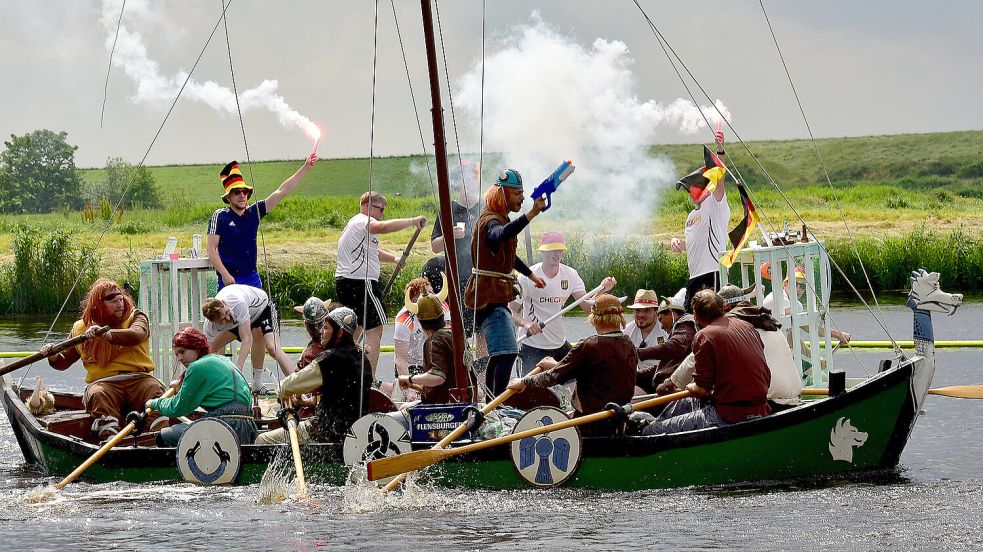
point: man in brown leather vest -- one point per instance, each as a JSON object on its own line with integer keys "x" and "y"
{"x": 492, "y": 286}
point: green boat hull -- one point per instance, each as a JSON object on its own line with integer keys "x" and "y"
{"x": 793, "y": 444}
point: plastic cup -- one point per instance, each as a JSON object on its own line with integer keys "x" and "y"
{"x": 174, "y": 256}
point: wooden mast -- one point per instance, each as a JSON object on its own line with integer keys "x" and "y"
{"x": 461, "y": 392}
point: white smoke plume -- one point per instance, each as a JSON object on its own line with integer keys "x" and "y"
{"x": 548, "y": 98}
{"x": 155, "y": 88}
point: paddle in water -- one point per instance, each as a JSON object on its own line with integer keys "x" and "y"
{"x": 419, "y": 459}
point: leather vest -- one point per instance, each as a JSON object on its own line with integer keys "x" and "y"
{"x": 501, "y": 259}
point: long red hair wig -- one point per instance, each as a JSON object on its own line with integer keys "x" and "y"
{"x": 495, "y": 200}
{"x": 94, "y": 313}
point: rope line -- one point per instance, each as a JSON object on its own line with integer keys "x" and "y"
{"x": 119, "y": 203}
{"x": 105, "y": 88}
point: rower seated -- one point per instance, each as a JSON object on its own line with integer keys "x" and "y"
{"x": 117, "y": 363}
{"x": 603, "y": 366}
{"x": 343, "y": 376}
{"x": 210, "y": 381}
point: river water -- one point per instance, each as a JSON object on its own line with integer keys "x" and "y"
{"x": 935, "y": 502}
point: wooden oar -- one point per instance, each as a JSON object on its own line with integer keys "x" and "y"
{"x": 462, "y": 428}
{"x": 419, "y": 459}
{"x": 105, "y": 448}
{"x": 566, "y": 309}
{"x": 402, "y": 259}
{"x": 954, "y": 391}
{"x": 295, "y": 449}
{"x": 55, "y": 349}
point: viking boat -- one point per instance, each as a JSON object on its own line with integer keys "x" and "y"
{"x": 861, "y": 431}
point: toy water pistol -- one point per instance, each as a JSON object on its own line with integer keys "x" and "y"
{"x": 552, "y": 182}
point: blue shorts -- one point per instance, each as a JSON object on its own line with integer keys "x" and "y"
{"x": 251, "y": 279}
{"x": 498, "y": 327}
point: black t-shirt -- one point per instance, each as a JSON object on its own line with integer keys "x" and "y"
{"x": 342, "y": 392}
{"x": 469, "y": 217}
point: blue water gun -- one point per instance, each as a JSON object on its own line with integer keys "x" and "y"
{"x": 552, "y": 182}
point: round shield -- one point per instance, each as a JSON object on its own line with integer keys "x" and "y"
{"x": 208, "y": 453}
{"x": 375, "y": 436}
{"x": 549, "y": 459}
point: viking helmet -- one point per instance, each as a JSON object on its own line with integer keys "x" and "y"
{"x": 345, "y": 318}
{"x": 428, "y": 308}
{"x": 314, "y": 311}
{"x": 509, "y": 178}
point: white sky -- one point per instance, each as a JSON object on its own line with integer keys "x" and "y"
{"x": 861, "y": 68}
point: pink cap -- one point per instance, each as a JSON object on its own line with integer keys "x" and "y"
{"x": 552, "y": 241}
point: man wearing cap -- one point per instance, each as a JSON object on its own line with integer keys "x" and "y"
{"x": 439, "y": 374}
{"x": 603, "y": 366}
{"x": 359, "y": 266}
{"x": 244, "y": 312}
{"x": 681, "y": 329}
{"x": 730, "y": 370}
{"x": 644, "y": 331}
{"x": 705, "y": 236}
{"x": 409, "y": 335}
{"x": 338, "y": 375}
{"x": 492, "y": 286}
{"x": 538, "y": 304}
{"x": 232, "y": 230}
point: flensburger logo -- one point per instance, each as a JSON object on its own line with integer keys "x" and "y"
{"x": 439, "y": 417}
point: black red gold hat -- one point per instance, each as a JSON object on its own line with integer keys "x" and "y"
{"x": 232, "y": 179}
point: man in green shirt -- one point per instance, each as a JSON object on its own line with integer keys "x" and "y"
{"x": 212, "y": 382}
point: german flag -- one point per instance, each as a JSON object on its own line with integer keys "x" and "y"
{"x": 740, "y": 234}
{"x": 703, "y": 181}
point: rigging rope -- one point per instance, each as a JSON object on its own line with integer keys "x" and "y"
{"x": 119, "y": 203}
{"x": 105, "y": 88}
{"x": 668, "y": 48}
{"x": 259, "y": 223}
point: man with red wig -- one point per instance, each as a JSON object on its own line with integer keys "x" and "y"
{"x": 210, "y": 381}
{"x": 117, "y": 363}
{"x": 492, "y": 286}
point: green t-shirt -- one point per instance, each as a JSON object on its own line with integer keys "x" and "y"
{"x": 210, "y": 381}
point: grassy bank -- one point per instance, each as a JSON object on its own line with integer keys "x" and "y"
{"x": 910, "y": 200}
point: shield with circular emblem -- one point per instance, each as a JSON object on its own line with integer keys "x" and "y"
{"x": 208, "y": 453}
{"x": 375, "y": 436}
{"x": 549, "y": 459}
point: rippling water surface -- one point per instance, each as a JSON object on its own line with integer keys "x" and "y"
{"x": 936, "y": 500}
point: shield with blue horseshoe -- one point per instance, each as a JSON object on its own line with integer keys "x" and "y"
{"x": 208, "y": 453}
{"x": 549, "y": 459}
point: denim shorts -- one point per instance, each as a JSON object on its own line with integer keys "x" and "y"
{"x": 497, "y": 325}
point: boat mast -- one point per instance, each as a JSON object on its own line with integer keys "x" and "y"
{"x": 460, "y": 393}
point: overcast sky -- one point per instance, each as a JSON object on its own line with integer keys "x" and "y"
{"x": 861, "y": 68}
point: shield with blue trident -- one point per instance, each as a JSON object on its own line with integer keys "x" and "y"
{"x": 550, "y": 459}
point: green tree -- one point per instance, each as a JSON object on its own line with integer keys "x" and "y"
{"x": 142, "y": 192}
{"x": 39, "y": 172}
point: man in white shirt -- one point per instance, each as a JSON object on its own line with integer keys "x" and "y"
{"x": 643, "y": 329}
{"x": 705, "y": 236}
{"x": 358, "y": 268}
{"x": 242, "y": 312}
{"x": 539, "y": 304}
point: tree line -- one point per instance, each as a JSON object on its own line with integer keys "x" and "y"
{"x": 38, "y": 175}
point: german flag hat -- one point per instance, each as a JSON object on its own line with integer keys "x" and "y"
{"x": 232, "y": 179}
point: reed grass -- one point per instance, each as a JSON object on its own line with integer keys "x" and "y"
{"x": 46, "y": 264}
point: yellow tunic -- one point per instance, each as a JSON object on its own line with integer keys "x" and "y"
{"x": 125, "y": 360}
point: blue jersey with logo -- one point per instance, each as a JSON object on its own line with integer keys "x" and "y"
{"x": 237, "y": 239}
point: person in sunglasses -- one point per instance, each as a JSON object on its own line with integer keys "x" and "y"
{"x": 232, "y": 230}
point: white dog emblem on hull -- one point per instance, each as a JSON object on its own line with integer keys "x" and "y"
{"x": 842, "y": 438}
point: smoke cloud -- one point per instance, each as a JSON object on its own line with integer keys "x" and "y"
{"x": 548, "y": 98}
{"x": 155, "y": 88}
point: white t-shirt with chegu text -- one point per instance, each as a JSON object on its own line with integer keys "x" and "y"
{"x": 540, "y": 304}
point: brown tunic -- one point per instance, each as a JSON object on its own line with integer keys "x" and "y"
{"x": 604, "y": 367}
{"x": 501, "y": 259}
{"x": 730, "y": 363}
{"x": 438, "y": 359}
{"x": 669, "y": 354}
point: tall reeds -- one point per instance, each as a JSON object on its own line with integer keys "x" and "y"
{"x": 46, "y": 264}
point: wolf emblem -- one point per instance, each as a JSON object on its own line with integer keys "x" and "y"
{"x": 842, "y": 438}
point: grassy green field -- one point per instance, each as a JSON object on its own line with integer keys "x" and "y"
{"x": 895, "y": 191}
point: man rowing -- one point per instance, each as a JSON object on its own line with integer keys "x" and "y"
{"x": 359, "y": 265}
{"x": 492, "y": 286}
{"x": 409, "y": 332}
{"x": 241, "y": 312}
{"x": 603, "y": 366}
{"x": 730, "y": 369}
{"x": 117, "y": 363}
{"x": 538, "y": 304}
{"x": 340, "y": 374}
{"x": 681, "y": 328}
{"x": 232, "y": 231}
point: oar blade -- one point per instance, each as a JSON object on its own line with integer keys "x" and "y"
{"x": 959, "y": 391}
{"x": 402, "y": 463}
